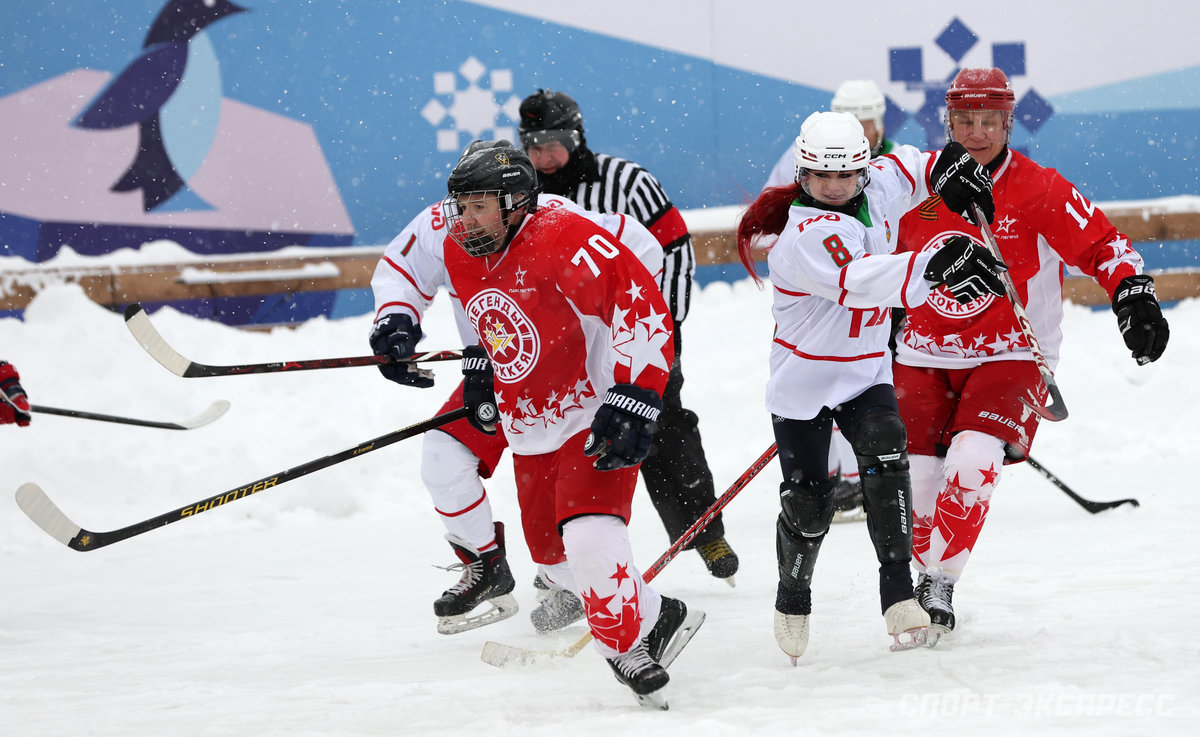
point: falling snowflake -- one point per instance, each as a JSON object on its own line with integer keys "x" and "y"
{"x": 473, "y": 109}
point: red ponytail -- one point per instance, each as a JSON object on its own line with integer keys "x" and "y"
{"x": 767, "y": 215}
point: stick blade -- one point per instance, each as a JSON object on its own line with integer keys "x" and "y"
{"x": 152, "y": 341}
{"x": 46, "y": 514}
{"x": 214, "y": 412}
{"x": 510, "y": 656}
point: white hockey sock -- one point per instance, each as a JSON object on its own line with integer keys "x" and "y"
{"x": 451, "y": 474}
{"x": 971, "y": 473}
{"x": 621, "y": 609}
{"x": 927, "y": 479}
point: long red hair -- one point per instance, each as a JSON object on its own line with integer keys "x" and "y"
{"x": 767, "y": 215}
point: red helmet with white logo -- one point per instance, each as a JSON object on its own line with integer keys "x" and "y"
{"x": 980, "y": 89}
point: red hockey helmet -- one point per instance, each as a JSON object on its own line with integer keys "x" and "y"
{"x": 981, "y": 89}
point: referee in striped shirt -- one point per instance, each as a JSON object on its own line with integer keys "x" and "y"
{"x": 676, "y": 473}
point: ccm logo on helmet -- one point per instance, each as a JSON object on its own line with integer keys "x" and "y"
{"x": 834, "y": 156}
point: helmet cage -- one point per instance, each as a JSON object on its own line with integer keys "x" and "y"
{"x": 480, "y": 240}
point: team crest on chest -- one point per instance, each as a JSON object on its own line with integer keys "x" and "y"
{"x": 508, "y": 334}
{"x": 942, "y": 301}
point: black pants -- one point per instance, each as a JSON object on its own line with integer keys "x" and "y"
{"x": 804, "y": 444}
{"x": 676, "y": 472}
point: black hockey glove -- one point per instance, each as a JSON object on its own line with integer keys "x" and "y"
{"x": 1141, "y": 320}
{"x": 961, "y": 182}
{"x": 395, "y": 336}
{"x": 16, "y": 408}
{"x": 623, "y": 427}
{"x": 479, "y": 394}
{"x": 967, "y": 269}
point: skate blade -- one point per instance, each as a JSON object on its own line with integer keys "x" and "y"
{"x": 936, "y": 633}
{"x": 654, "y": 700}
{"x": 691, "y": 623}
{"x": 499, "y": 608}
{"x": 856, "y": 515}
{"x": 909, "y": 639}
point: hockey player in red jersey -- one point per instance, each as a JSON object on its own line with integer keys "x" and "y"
{"x": 576, "y": 350}
{"x": 834, "y": 276}
{"x": 963, "y": 369}
{"x": 14, "y": 405}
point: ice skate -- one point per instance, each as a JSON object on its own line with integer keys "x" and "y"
{"x": 720, "y": 559}
{"x": 791, "y": 632}
{"x": 674, "y": 629}
{"x": 907, "y": 623}
{"x": 848, "y": 501}
{"x": 935, "y": 594}
{"x": 644, "y": 677}
{"x": 486, "y": 580}
{"x": 558, "y": 609}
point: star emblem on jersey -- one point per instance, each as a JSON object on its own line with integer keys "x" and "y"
{"x": 1004, "y": 223}
{"x": 520, "y": 276}
{"x": 639, "y": 344}
{"x": 512, "y": 341}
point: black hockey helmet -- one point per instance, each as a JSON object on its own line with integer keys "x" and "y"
{"x": 546, "y": 116}
{"x": 497, "y": 168}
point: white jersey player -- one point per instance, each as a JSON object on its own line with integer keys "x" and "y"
{"x": 835, "y": 274}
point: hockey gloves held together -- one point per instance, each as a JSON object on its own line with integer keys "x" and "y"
{"x": 623, "y": 427}
{"x": 961, "y": 182}
{"x": 1140, "y": 319}
{"x": 16, "y": 408}
{"x": 967, "y": 269}
{"x": 479, "y": 394}
{"x": 395, "y": 336}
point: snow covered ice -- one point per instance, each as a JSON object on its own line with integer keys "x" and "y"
{"x": 306, "y": 609}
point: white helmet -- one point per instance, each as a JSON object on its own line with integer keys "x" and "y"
{"x": 862, "y": 98}
{"x": 831, "y": 142}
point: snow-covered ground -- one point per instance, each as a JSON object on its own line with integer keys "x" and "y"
{"x": 305, "y": 610}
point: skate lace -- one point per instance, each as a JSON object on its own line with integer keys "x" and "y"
{"x": 939, "y": 591}
{"x": 715, "y": 549}
{"x": 471, "y": 573}
{"x": 634, "y": 661}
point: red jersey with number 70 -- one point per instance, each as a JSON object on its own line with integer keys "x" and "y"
{"x": 565, "y": 312}
{"x": 1042, "y": 222}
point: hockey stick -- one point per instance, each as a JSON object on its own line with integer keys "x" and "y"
{"x": 501, "y": 655}
{"x": 148, "y": 336}
{"x": 1055, "y": 411}
{"x": 46, "y": 515}
{"x": 214, "y": 411}
{"x": 1087, "y": 504}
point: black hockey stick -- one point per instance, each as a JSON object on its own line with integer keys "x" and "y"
{"x": 1087, "y": 504}
{"x": 501, "y": 655}
{"x": 1055, "y": 411}
{"x": 139, "y": 324}
{"x": 46, "y": 515}
{"x": 215, "y": 410}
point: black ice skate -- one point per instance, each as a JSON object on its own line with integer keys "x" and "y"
{"x": 720, "y": 559}
{"x": 674, "y": 629}
{"x": 935, "y": 593}
{"x": 558, "y": 609}
{"x": 486, "y": 579}
{"x": 848, "y": 501}
{"x": 644, "y": 677}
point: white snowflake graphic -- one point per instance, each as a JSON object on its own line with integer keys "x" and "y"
{"x": 473, "y": 110}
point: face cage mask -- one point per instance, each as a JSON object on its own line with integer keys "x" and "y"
{"x": 479, "y": 242}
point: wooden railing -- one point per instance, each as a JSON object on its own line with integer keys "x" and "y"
{"x": 346, "y": 268}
